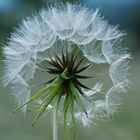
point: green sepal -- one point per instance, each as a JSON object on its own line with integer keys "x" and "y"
{"x": 34, "y": 97}
{"x": 66, "y": 107}
{"x": 59, "y": 97}
{"x": 77, "y": 97}
{"x": 41, "y": 93}
{"x": 72, "y": 114}
{"x": 65, "y": 74}
{"x": 47, "y": 101}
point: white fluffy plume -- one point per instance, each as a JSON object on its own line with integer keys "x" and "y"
{"x": 118, "y": 70}
{"x": 21, "y": 91}
{"x": 77, "y": 28}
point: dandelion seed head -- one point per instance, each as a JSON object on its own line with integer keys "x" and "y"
{"x": 64, "y": 41}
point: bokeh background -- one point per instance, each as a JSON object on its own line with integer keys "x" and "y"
{"x": 126, "y": 125}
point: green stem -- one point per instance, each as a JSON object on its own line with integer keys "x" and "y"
{"x": 55, "y": 113}
{"x": 55, "y": 136}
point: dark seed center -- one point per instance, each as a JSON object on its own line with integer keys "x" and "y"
{"x": 70, "y": 62}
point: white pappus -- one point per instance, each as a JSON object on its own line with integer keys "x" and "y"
{"x": 91, "y": 41}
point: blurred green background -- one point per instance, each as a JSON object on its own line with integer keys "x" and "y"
{"x": 124, "y": 126}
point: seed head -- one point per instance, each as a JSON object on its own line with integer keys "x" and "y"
{"x": 65, "y": 41}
